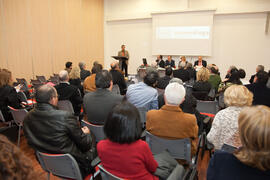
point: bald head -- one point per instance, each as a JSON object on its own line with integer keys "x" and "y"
{"x": 63, "y": 75}
{"x": 45, "y": 93}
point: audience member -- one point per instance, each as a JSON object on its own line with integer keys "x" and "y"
{"x": 252, "y": 160}
{"x": 231, "y": 68}
{"x": 233, "y": 78}
{"x": 181, "y": 73}
{"x": 118, "y": 77}
{"x": 68, "y": 66}
{"x": 242, "y": 75}
{"x": 123, "y": 153}
{"x": 268, "y": 82}
{"x": 260, "y": 90}
{"x": 54, "y": 131}
{"x": 202, "y": 87}
{"x": 144, "y": 94}
{"x": 98, "y": 104}
{"x": 214, "y": 78}
{"x": 258, "y": 69}
{"x": 200, "y": 63}
{"x": 83, "y": 73}
{"x": 13, "y": 163}
{"x": 170, "y": 121}
{"x": 164, "y": 81}
{"x": 89, "y": 82}
{"x": 75, "y": 79}
{"x": 160, "y": 61}
{"x": 191, "y": 71}
{"x": 224, "y": 129}
{"x": 69, "y": 92}
{"x": 8, "y": 94}
{"x": 170, "y": 62}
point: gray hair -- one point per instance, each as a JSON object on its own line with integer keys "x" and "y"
{"x": 81, "y": 65}
{"x": 174, "y": 93}
{"x": 176, "y": 80}
{"x": 63, "y": 75}
{"x": 260, "y": 67}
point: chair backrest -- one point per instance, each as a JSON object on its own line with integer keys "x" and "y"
{"x": 207, "y": 106}
{"x": 115, "y": 89}
{"x": 65, "y": 105}
{"x": 97, "y": 130}
{"x": 2, "y": 117}
{"x": 62, "y": 165}
{"x": 142, "y": 111}
{"x": 106, "y": 175}
{"x": 35, "y": 83}
{"x": 41, "y": 79}
{"x": 22, "y": 96}
{"x": 178, "y": 149}
{"x": 18, "y": 115}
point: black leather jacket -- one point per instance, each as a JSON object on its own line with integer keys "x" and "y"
{"x": 54, "y": 131}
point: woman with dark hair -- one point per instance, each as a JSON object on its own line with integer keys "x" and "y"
{"x": 252, "y": 160}
{"x": 13, "y": 163}
{"x": 123, "y": 153}
{"x": 8, "y": 94}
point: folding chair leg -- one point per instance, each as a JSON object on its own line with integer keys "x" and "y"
{"x": 19, "y": 136}
{"x": 48, "y": 176}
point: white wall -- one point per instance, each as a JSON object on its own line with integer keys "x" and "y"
{"x": 238, "y": 39}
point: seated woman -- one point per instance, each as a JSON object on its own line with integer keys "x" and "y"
{"x": 252, "y": 160}
{"x": 202, "y": 87}
{"x": 75, "y": 79}
{"x": 123, "y": 153}
{"x": 8, "y": 94}
{"x": 224, "y": 129}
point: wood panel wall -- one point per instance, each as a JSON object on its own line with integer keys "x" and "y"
{"x": 37, "y": 37}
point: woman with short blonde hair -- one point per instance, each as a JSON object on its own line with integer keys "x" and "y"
{"x": 252, "y": 160}
{"x": 202, "y": 87}
{"x": 75, "y": 79}
{"x": 224, "y": 129}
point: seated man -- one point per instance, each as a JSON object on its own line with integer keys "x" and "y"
{"x": 89, "y": 82}
{"x": 258, "y": 69}
{"x": 69, "y": 92}
{"x": 170, "y": 121}
{"x": 181, "y": 73}
{"x": 144, "y": 94}
{"x": 54, "y": 131}
{"x": 164, "y": 81}
{"x": 170, "y": 62}
{"x": 98, "y": 104}
{"x": 118, "y": 78}
{"x": 261, "y": 93}
{"x": 83, "y": 73}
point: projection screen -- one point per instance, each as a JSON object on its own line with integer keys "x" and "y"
{"x": 182, "y": 33}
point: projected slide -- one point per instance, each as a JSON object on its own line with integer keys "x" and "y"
{"x": 183, "y": 32}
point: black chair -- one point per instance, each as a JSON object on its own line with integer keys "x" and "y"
{"x": 42, "y": 79}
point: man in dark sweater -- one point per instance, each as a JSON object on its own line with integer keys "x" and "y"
{"x": 261, "y": 93}
{"x": 118, "y": 78}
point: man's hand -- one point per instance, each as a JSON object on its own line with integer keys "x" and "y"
{"x": 85, "y": 130}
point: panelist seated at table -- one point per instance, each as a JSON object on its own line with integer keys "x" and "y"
{"x": 199, "y": 63}
{"x": 170, "y": 62}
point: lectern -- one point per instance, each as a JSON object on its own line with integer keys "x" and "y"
{"x": 121, "y": 59}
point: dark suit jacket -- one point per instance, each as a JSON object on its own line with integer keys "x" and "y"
{"x": 78, "y": 84}
{"x": 204, "y": 63}
{"x": 181, "y": 74}
{"x": 261, "y": 94}
{"x": 171, "y": 64}
{"x": 252, "y": 78}
{"x": 201, "y": 89}
{"x": 118, "y": 79}
{"x": 163, "y": 82}
{"x": 98, "y": 104}
{"x": 71, "y": 93}
{"x": 84, "y": 73}
{"x": 161, "y": 63}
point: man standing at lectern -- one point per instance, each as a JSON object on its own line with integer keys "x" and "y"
{"x": 124, "y": 64}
